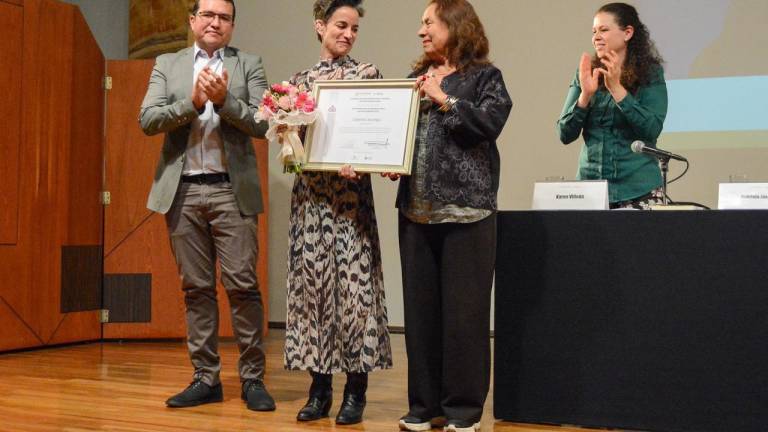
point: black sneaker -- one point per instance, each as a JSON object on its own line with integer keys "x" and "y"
{"x": 256, "y": 396}
{"x": 462, "y": 426}
{"x": 197, "y": 393}
{"x": 412, "y": 423}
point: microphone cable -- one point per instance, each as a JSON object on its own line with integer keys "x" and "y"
{"x": 687, "y": 203}
{"x": 685, "y": 171}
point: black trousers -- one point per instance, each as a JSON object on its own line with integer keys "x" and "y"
{"x": 447, "y": 280}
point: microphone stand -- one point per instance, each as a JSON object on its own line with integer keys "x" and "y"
{"x": 664, "y": 165}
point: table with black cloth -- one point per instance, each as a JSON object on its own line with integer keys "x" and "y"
{"x": 652, "y": 321}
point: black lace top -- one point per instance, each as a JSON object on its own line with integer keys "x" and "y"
{"x": 461, "y": 163}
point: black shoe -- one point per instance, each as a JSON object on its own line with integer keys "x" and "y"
{"x": 351, "y": 411}
{"x": 317, "y": 407}
{"x": 256, "y": 396}
{"x": 197, "y": 393}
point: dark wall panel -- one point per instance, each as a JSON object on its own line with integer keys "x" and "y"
{"x": 128, "y": 297}
{"x": 81, "y": 278}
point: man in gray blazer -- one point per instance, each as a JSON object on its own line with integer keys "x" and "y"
{"x": 204, "y": 99}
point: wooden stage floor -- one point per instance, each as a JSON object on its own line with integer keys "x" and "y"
{"x": 122, "y": 388}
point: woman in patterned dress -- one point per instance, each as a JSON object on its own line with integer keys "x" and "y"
{"x": 337, "y": 318}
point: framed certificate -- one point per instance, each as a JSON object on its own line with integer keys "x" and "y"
{"x": 369, "y": 124}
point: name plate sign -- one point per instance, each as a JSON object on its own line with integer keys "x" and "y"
{"x": 571, "y": 195}
{"x": 743, "y": 196}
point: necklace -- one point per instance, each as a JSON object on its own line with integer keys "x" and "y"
{"x": 436, "y": 72}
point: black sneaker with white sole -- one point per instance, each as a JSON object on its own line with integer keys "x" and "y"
{"x": 416, "y": 424}
{"x": 461, "y": 426}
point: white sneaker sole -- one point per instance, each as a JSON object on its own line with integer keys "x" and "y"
{"x": 436, "y": 422}
{"x": 415, "y": 427}
{"x": 451, "y": 428}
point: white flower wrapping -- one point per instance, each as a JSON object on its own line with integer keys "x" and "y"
{"x": 292, "y": 152}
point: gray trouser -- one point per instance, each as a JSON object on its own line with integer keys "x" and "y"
{"x": 205, "y": 223}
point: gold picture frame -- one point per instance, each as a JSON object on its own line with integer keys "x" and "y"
{"x": 368, "y": 124}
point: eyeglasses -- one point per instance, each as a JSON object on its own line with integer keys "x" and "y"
{"x": 208, "y": 16}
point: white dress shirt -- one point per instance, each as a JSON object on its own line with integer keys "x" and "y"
{"x": 205, "y": 148}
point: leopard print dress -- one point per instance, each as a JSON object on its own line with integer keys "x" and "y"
{"x": 337, "y": 315}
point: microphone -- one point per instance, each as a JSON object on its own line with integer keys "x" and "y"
{"x": 640, "y": 147}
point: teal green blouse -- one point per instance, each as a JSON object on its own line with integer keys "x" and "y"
{"x": 609, "y": 129}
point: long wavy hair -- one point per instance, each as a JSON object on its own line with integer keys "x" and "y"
{"x": 467, "y": 45}
{"x": 642, "y": 56}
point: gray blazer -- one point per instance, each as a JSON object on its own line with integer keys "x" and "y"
{"x": 168, "y": 109}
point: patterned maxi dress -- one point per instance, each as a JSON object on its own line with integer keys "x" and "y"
{"x": 337, "y": 316}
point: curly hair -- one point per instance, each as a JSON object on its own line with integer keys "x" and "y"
{"x": 323, "y": 9}
{"x": 467, "y": 45}
{"x": 642, "y": 56}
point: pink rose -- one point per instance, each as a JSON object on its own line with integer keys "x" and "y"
{"x": 309, "y": 106}
{"x": 268, "y": 102}
{"x": 284, "y": 103}
{"x": 265, "y": 113}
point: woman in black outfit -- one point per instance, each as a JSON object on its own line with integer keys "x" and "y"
{"x": 447, "y": 221}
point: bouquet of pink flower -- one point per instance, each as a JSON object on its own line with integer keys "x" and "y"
{"x": 287, "y": 108}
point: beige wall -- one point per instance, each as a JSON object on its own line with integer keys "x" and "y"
{"x": 535, "y": 43}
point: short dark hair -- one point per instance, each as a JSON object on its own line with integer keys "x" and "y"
{"x": 324, "y": 9}
{"x": 196, "y": 7}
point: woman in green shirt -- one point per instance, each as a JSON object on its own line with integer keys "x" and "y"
{"x": 617, "y": 97}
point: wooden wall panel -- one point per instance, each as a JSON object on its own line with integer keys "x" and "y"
{"x": 15, "y": 2}
{"x": 12, "y": 21}
{"x": 14, "y": 333}
{"x": 30, "y": 271}
{"x": 262, "y": 159}
{"x": 86, "y": 152}
{"x": 135, "y": 239}
{"x": 130, "y": 156}
{"x": 76, "y": 327}
{"x": 147, "y": 250}
{"x": 44, "y": 174}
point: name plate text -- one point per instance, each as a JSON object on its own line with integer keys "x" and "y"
{"x": 743, "y": 196}
{"x": 572, "y": 195}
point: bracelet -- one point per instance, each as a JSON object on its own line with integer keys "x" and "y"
{"x": 449, "y": 103}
